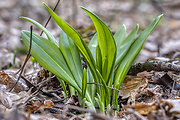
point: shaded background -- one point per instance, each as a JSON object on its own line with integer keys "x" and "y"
{"x": 113, "y": 12}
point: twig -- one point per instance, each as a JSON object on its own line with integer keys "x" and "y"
{"x": 45, "y": 80}
{"x": 27, "y": 58}
{"x": 50, "y": 17}
{"x": 153, "y": 65}
{"x": 74, "y": 108}
{"x": 102, "y": 85}
{"x": 33, "y": 86}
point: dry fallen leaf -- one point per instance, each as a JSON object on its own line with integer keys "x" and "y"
{"x": 145, "y": 109}
{"x": 5, "y": 99}
{"x": 175, "y": 105}
{"x": 9, "y": 80}
{"x": 48, "y": 104}
{"x": 131, "y": 83}
{"x": 73, "y": 100}
{"x": 37, "y": 105}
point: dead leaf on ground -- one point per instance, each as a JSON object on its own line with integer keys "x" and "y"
{"x": 175, "y": 105}
{"x": 37, "y": 105}
{"x": 145, "y": 109}
{"x": 9, "y": 99}
{"x": 167, "y": 81}
{"x": 73, "y": 100}
{"x": 5, "y": 99}
{"x": 9, "y": 80}
{"x": 131, "y": 83}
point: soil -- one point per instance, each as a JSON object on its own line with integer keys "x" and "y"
{"x": 148, "y": 94}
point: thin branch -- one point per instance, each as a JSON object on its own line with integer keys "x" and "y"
{"x": 156, "y": 65}
{"x": 27, "y": 58}
{"x": 102, "y": 85}
{"x": 74, "y": 108}
{"x": 50, "y": 17}
{"x": 45, "y": 80}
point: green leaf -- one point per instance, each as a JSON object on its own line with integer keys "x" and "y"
{"x": 50, "y": 59}
{"x": 93, "y": 44}
{"x": 84, "y": 83}
{"x": 49, "y": 35}
{"x": 63, "y": 86}
{"x": 133, "y": 52}
{"x": 101, "y": 104}
{"x": 123, "y": 45}
{"x": 106, "y": 43}
{"x": 120, "y": 36}
{"x": 98, "y": 59}
{"x": 77, "y": 40}
{"x": 72, "y": 57}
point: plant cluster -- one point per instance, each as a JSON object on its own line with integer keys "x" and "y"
{"x": 108, "y": 58}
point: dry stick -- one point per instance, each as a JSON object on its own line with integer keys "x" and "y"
{"x": 50, "y": 17}
{"x": 102, "y": 85}
{"x": 45, "y": 81}
{"x": 74, "y": 108}
{"x": 27, "y": 82}
{"x": 27, "y": 58}
{"x": 153, "y": 65}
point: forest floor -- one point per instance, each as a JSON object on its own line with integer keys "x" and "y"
{"x": 147, "y": 94}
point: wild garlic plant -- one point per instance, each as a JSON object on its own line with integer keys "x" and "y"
{"x": 108, "y": 58}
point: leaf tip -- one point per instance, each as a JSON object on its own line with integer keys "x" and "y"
{"x": 21, "y": 17}
{"x": 47, "y": 7}
{"x": 82, "y": 7}
{"x": 137, "y": 25}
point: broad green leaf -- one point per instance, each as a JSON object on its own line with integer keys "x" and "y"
{"x": 133, "y": 52}
{"x": 98, "y": 59}
{"x": 77, "y": 40}
{"x": 130, "y": 56}
{"x": 91, "y": 87}
{"x": 72, "y": 57}
{"x": 124, "y": 44}
{"x": 106, "y": 43}
{"x": 93, "y": 44}
{"x": 50, "y": 37}
{"x": 84, "y": 83}
{"x": 103, "y": 81}
{"x": 49, "y": 56}
{"x": 120, "y": 36}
